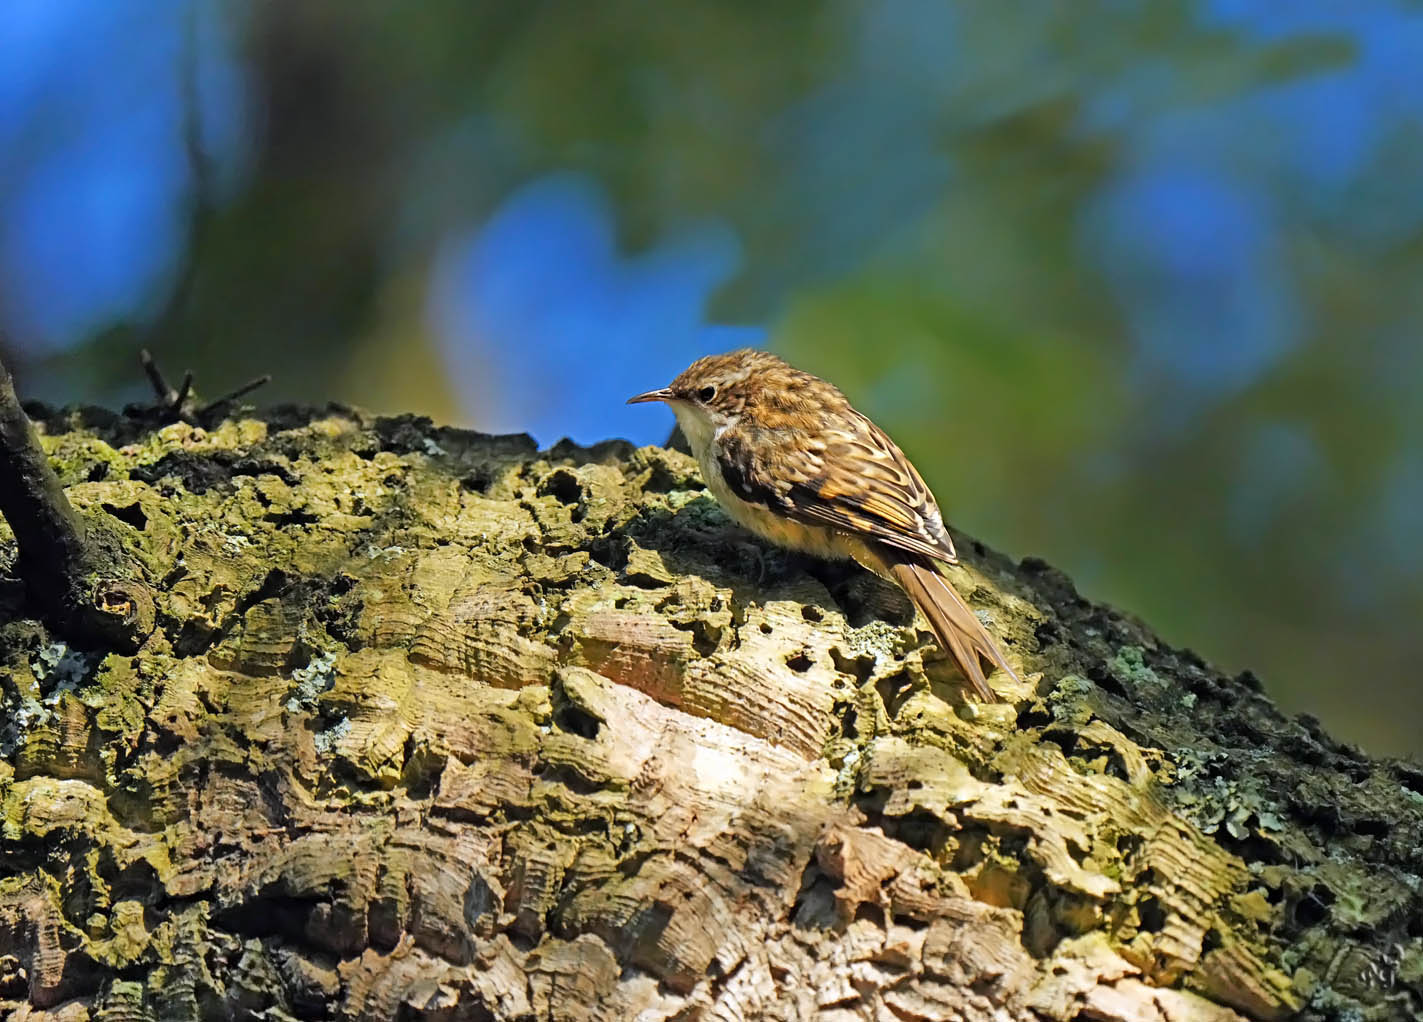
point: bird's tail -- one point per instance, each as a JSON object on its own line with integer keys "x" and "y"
{"x": 960, "y": 633}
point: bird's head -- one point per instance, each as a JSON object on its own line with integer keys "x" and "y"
{"x": 719, "y": 391}
{"x": 713, "y": 392}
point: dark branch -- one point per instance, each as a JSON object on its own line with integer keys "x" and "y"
{"x": 75, "y": 569}
{"x": 47, "y": 528}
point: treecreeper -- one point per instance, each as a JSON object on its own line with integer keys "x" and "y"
{"x": 788, "y": 457}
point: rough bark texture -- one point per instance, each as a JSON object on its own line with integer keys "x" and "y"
{"x": 434, "y": 725}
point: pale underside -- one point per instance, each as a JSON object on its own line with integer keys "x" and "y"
{"x": 817, "y": 540}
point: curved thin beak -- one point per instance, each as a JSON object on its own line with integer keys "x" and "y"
{"x": 665, "y": 394}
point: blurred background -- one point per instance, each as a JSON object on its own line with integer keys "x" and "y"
{"x": 1136, "y": 283}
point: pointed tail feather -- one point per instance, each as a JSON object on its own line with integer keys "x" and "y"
{"x": 960, "y": 632}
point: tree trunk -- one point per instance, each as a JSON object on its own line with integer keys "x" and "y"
{"x": 433, "y": 725}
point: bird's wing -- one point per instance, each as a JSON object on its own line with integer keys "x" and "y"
{"x": 849, "y": 477}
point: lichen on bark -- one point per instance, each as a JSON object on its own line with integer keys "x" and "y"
{"x": 436, "y": 725}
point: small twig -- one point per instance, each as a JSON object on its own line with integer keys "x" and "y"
{"x": 161, "y": 390}
{"x": 242, "y": 391}
{"x": 180, "y": 398}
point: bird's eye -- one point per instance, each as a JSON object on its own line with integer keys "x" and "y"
{"x": 706, "y": 393}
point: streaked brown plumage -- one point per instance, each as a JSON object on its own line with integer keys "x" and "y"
{"x": 789, "y": 458}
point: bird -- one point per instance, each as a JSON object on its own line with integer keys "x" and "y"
{"x": 787, "y": 457}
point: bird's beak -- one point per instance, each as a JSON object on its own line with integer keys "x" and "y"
{"x": 665, "y": 394}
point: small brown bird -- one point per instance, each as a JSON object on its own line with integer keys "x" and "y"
{"x": 788, "y": 458}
